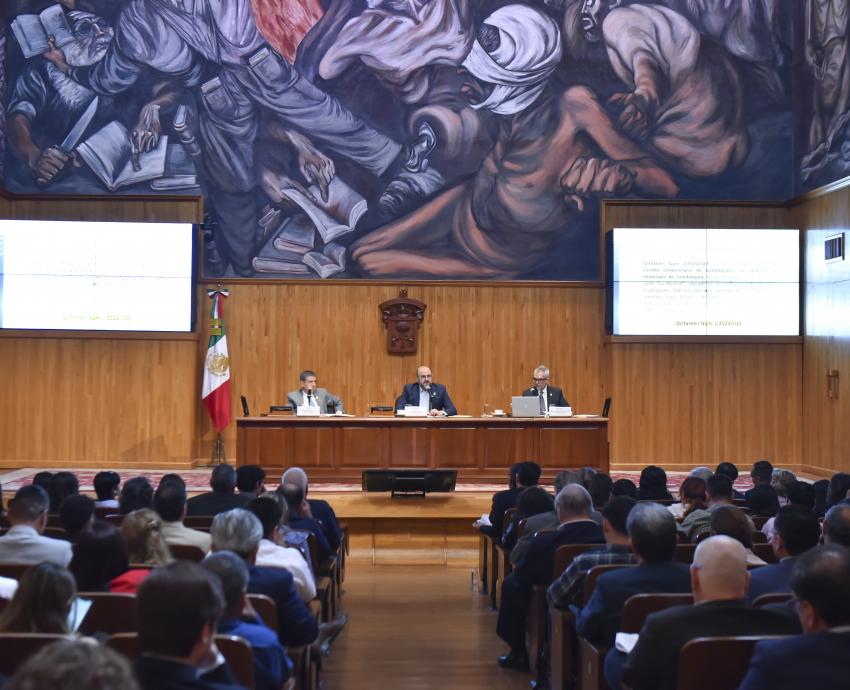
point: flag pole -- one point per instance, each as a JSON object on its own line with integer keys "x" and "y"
{"x": 218, "y": 455}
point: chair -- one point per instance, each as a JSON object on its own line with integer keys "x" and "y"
{"x": 501, "y": 561}
{"x": 324, "y": 580}
{"x": 639, "y": 606}
{"x": 198, "y": 521}
{"x": 759, "y": 520}
{"x": 18, "y": 647}
{"x": 266, "y": 609}
{"x": 13, "y": 570}
{"x": 685, "y": 553}
{"x": 100, "y": 513}
{"x": 110, "y": 613}
{"x": 56, "y": 533}
{"x": 239, "y": 656}
{"x": 53, "y": 520}
{"x": 765, "y": 552}
{"x": 115, "y": 518}
{"x": 773, "y": 598}
{"x": 187, "y": 552}
{"x": 125, "y": 643}
{"x": 701, "y": 668}
{"x": 483, "y": 562}
{"x": 759, "y": 537}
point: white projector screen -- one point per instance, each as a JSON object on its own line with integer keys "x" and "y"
{"x": 697, "y": 282}
{"x": 70, "y": 275}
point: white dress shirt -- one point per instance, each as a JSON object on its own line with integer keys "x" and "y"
{"x": 270, "y": 555}
{"x": 424, "y": 399}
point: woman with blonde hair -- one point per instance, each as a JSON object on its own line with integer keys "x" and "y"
{"x": 146, "y": 548}
{"x": 41, "y": 602}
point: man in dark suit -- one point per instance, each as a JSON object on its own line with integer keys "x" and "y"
{"x": 761, "y": 475}
{"x": 796, "y": 530}
{"x": 522, "y": 475}
{"x": 222, "y": 497}
{"x": 299, "y": 518}
{"x": 818, "y": 658}
{"x": 719, "y": 580}
{"x": 549, "y": 395}
{"x": 574, "y": 506}
{"x": 836, "y": 525}
{"x": 319, "y": 510}
{"x": 652, "y": 536}
{"x": 425, "y": 393}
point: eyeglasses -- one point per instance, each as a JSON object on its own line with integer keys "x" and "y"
{"x": 536, "y": 380}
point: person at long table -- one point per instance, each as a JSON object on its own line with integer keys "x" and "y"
{"x": 426, "y": 394}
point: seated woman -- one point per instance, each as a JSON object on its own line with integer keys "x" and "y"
{"x": 652, "y": 485}
{"x": 734, "y": 523}
{"x": 691, "y": 497}
{"x": 41, "y": 602}
{"x": 141, "y": 531}
{"x": 100, "y": 556}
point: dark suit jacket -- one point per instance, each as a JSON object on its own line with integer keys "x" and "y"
{"x": 654, "y": 662}
{"x": 771, "y": 578}
{"x": 502, "y": 501}
{"x": 818, "y": 660}
{"x": 213, "y": 503}
{"x": 295, "y": 624}
{"x": 439, "y": 398}
{"x": 322, "y": 511}
{"x": 554, "y": 396}
{"x": 600, "y": 619}
{"x": 154, "y": 673}
{"x": 536, "y": 567}
{"x": 323, "y": 548}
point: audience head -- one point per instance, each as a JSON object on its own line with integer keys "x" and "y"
{"x": 718, "y": 489}
{"x": 762, "y": 472}
{"x": 573, "y": 502}
{"x": 223, "y": 479}
{"x": 100, "y": 555}
{"x": 297, "y": 476}
{"x": 268, "y": 512}
{"x": 732, "y": 522}
{"x": 801, "y": 494}
{"x": 61, "y": 485}
{"x": 172, "y": 477}
{"x": 653, "y": 484}
{"x": 839, "y": 485}
{"x": 763, "y": 500}
{"x": 587, "y": 474}
{"x": 615, "y": 514}
{"x": 600, "y": 489}
{"x": 76, "y": 513}
{"x": 142, "y": 532}
{"x": 41, "y": 602}
{"x": 836, "y": 525}
{"x": 136, "y": 493}
{"x": 624, "y": 487}
{"x": 278, "y": 497}
{"x": 294, "y": 496}
{"x": 237, "y": 530}
{"x": 250, "y": 478}
{"x": 652, "y": 532}
{"x": 728, "y": 469}
{"x": 170, "y": 501}
{"x": 29, "y": 507}
{"x": 177, "y": 609}
{"x": 232, "y": 573}
{"x": 533, "y": 501}
{"x": 780, "y": 480}
{"x": 42, "y": 479}
{"x": 719, "y": 570}
{"x": 106, "y": 485}
{"x": 692, "y": 494}
{"x": 561, "y": 480}
{"x": 512, "y": 474}
{"x": 528, "y": 475}
{"x": 74, "y": 665}
{"x": 821, "y": 488}
{"x": 821, "y": 585}
{"x": 796, "y": 531}
{"x": 703, "y": 473}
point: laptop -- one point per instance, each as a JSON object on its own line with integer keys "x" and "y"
{"x": 525, "y": 406}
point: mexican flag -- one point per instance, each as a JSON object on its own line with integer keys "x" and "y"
{"x": 216, "y": 389}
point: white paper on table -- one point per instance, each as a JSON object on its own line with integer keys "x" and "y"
{"x": 415, "y": 411}
{"x": 556, "y": 411}
{"x": 308, "y": 411}
{"x": 625, "y": 642}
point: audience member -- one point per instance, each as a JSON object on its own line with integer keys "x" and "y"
{"x": 240, "y": 531}
{"x": 729, "y": 521}
{"x": 839, "y": 486}
{"x": 250, "y": 481}
{"x": 586, "y": 475}
{"x": 271, "y": 665}
{"x": 761, "y": 474}
{"x": 780, "y": 480}
{"x": 137, "y": 493}
{"x": 821, "y": 489}
{"x": 106, "y": 485}
{"x": 178, "y": 608}
{"x": 719, "y": 581}
{"x": 818, "y": 658}
{"x": 691, "y": 497}
{"x": 76, "y": 513}
{"x": 74, "y": 665}
{"x": 532, "y": 501}
{"x": 24, "y": 542}
{"x": 545, "y": 519}
{"x": 61, "y": 485}
{"x": 100, "y": 556}
{"x": 222, "y": 497}
{"x": 718, "y": 490}
{"x": 703, "y": 473}
{"x": 653, "y": 484}
{"x": 299, "y": 518}
{"x": 799, "y": 494}
{"x": 142, "y": 533}
{"x": 763, "y": 501}
{"x": 286, "y": 535}
{"x": 272, "y": 555}
{"x": 170, "y": 502}
{"x": 624, "y": 487}
{"x": 568, "y": 589}
{"x": 502, "y": 502}
{"x": 600, "y": 489}
{"x": 172, "y": 477}
{"x": 319, "y": 509}
{"x": 652, "y": 536}
{"x": 836, "y": 525}
{"x": 574, "y": 506}
{"x": 796, "y": 531}
{"x": 42, "y": 479}
{"x": 728, "y": 469}
{"x": 41, "y": 602}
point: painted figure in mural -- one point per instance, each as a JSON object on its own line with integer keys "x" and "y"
{"x": 827, "y": 55}
{"x": 686, "y": 101}
{"x": 187, "y": 40}
{"x": 554, "y": 153}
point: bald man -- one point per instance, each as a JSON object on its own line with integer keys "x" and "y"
{"x": 319, "y": 510}
{"x": 719, "y": 580}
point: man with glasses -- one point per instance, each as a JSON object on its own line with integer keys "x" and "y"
{"x": 427, "y": 394}
{"x": 549, "y": 396}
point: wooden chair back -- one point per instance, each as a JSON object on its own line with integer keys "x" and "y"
{"x": 773, "y": 598}
{"x": 759, "y": 537}
{"x": 187, "y": 552}
{"x": 639, "y": 606}
{"x": 685, "y": 553}
{"x": 239, "y": 656}
{"x": 100, "y": 513}
{"x": 564, "y": 555}
{"x": 110, "y": 613}
{"x": 18, "y": 647}
{"x": 266, "y": 609}
{"x": 53, "y": 520}
{"x": 14, "y": 570}
{"x": 198, "y": 521}
{"x": 508, "y": 518}
{"x": 759, "y": 520}
{"x": 313, "y": 546}
{"x": 765, "y": 552}
{"x": 593, "y": 576}
{"x": 115, "y": 518}
{"x": 56, "y": 533}
{"x": 701, "y": 668}
{"x": 125, "y": 643}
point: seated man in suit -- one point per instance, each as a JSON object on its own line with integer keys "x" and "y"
{"x": 425, "y": 393}
{"x": 299, "y": 518}
{"x": 318, "y": 509}
{"x": 549, "y": 395}
{"x": 308, "y": 395}
{"x": 719, "y": 579}
{"x": 574, "y": 506}
{"x": 796, "y": 530}
{"x": 652, "y": 536}
{"x": 761, "y": 474}
{"x": 836, "y": 525}
{"x": 223, "y": 496}
{"x": 178, "y": 607}
{"x": 522, "y": 476}
{"x": 24, "y": 542}
{"x": 818, "y": 658}
{"x": 170, "y": 502}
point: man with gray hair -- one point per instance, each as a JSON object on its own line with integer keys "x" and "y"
{"x": 574, "y": 507}
{"x": 319, "y": 510}
{"x": 240, "y": 531}
{"x": 719, "y": 580}
{"x": 652, "y": 537}
{"x": 549, "y": 396}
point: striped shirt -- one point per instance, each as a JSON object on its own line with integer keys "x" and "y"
{"x": 569, "y": 587}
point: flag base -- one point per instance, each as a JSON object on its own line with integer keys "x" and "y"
{"x": 218, "y": 457}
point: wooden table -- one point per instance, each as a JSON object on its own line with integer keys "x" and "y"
{"x": 481, "y": 448}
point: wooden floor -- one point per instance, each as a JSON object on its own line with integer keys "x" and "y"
{"x": 416, "y": 628}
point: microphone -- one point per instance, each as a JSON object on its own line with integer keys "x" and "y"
{"x": 309, "y": 397}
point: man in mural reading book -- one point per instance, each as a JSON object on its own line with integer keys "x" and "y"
{"x": 555, "y": 151}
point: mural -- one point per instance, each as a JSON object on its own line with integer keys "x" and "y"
{"x": 401, "y": 139}
{"x": 822, "y": 88}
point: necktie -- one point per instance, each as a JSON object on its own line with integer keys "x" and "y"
{"x": 542, "y": 404}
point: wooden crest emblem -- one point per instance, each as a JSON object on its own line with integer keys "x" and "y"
{"x": 402, "y": 317}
